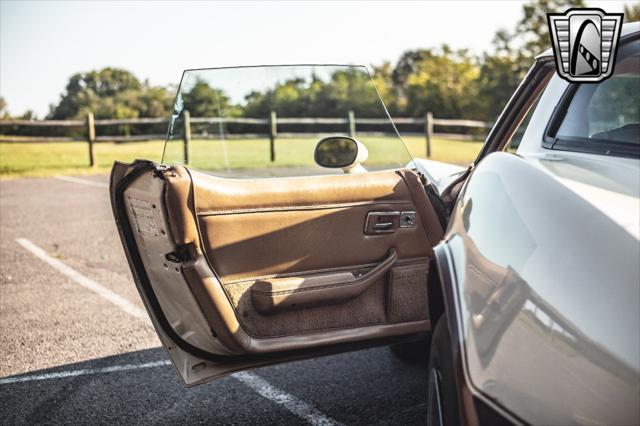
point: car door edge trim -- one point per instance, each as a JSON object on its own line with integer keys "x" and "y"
{"x": 135, "y": 262}
{"x": 468, "y": 394}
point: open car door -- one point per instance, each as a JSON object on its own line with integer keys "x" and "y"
{"x": 243, "y": 272}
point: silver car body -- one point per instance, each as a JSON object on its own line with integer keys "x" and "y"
{"x": 543, "y": 258}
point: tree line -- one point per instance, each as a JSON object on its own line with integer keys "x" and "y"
{"x": 452, "y": 83}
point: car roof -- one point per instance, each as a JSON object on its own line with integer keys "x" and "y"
{"x": 628, "y": 28}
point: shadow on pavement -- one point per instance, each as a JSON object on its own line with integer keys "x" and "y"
{"x": 364, "y": 387}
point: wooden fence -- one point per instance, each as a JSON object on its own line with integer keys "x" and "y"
{"x": 269, "y": 127}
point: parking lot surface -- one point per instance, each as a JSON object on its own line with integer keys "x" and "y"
{"x": 74, "y": 347}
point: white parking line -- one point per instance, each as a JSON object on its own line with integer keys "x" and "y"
{"x": 83, "y": 372}
{"x": 296, "y": 406}
{"x": 82, "y": 181}
{"x": 258, "y": 384}
{"x": 85, "y": 282}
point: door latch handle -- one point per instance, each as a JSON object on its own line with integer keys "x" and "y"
{"x": 386, "y": 225}
{"x": 381, "y": 222}
{"x": 389, "y": 222}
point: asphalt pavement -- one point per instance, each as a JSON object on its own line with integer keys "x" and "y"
{"x": 70, "y": 355}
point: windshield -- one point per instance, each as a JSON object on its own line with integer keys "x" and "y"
{"x": 267, "y": 120}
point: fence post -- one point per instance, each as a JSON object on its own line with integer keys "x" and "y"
{"x": 428, "y": 131}
{"x": 352, "y": 124}
{"x": 91, "y": 138}
{"x": 273, "y": 132}
{"x": 187, "y": 135}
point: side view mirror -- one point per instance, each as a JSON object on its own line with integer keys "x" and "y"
{"x": 341, "y": 152}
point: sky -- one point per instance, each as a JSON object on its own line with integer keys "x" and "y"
{"x": 42, "y": 43}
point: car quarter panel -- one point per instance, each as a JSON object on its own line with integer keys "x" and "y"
{"x": 546, "y": 284}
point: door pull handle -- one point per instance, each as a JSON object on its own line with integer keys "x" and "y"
{"x": 385, "y": 225}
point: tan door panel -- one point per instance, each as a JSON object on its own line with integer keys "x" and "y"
{"x": 285, "y": 264}
{"x": 270, "y": 233}
{"x": 275, "y": 269}
{"x": 301, "y": 225}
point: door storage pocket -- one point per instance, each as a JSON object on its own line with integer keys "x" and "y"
{"x": 408, "y": 293}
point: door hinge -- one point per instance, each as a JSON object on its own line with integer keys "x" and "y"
{"x": 422, "y": 178}
{"x": 161, "y": 169}
{"x": 182, "y": 253}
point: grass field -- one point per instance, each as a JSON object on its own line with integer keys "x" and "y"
{"x": 45, "y": 159}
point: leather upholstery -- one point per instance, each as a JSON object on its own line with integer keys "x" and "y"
{"x": 285, "y": 231}
{"x": 323, "y": 289}
{"x": 179, "y": 199}
{"x": 219, "y": 196}
{"x": 293, "y": 225}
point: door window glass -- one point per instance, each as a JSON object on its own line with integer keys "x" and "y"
{"x": 266, "y": 121}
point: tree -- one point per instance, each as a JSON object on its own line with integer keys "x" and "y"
{"x": 349, "y": 89}
{"x": 97, "y": 91}
{"x": 383, "y": 80}
{"x": 499, "y": 76}
{"x": 532, "y": 31}
{"x": 111, "y": 93}
{"x": 3, "y": 108}
{"x": 285, "y": 98}
{"x": 202, "y": 100}
{"x": 439, "y": 80}
{"x": 343, "y": 90}
{"x": 4, "y": 112}
{"x": 512, "y": 55}
{"x": 500, "y": 73}
{"x": 28, "y": 115}
{"x": 632, "y": 12}
{"x": 155, "y": 101}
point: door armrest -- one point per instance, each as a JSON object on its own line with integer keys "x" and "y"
{"x": 279, "y": 294}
